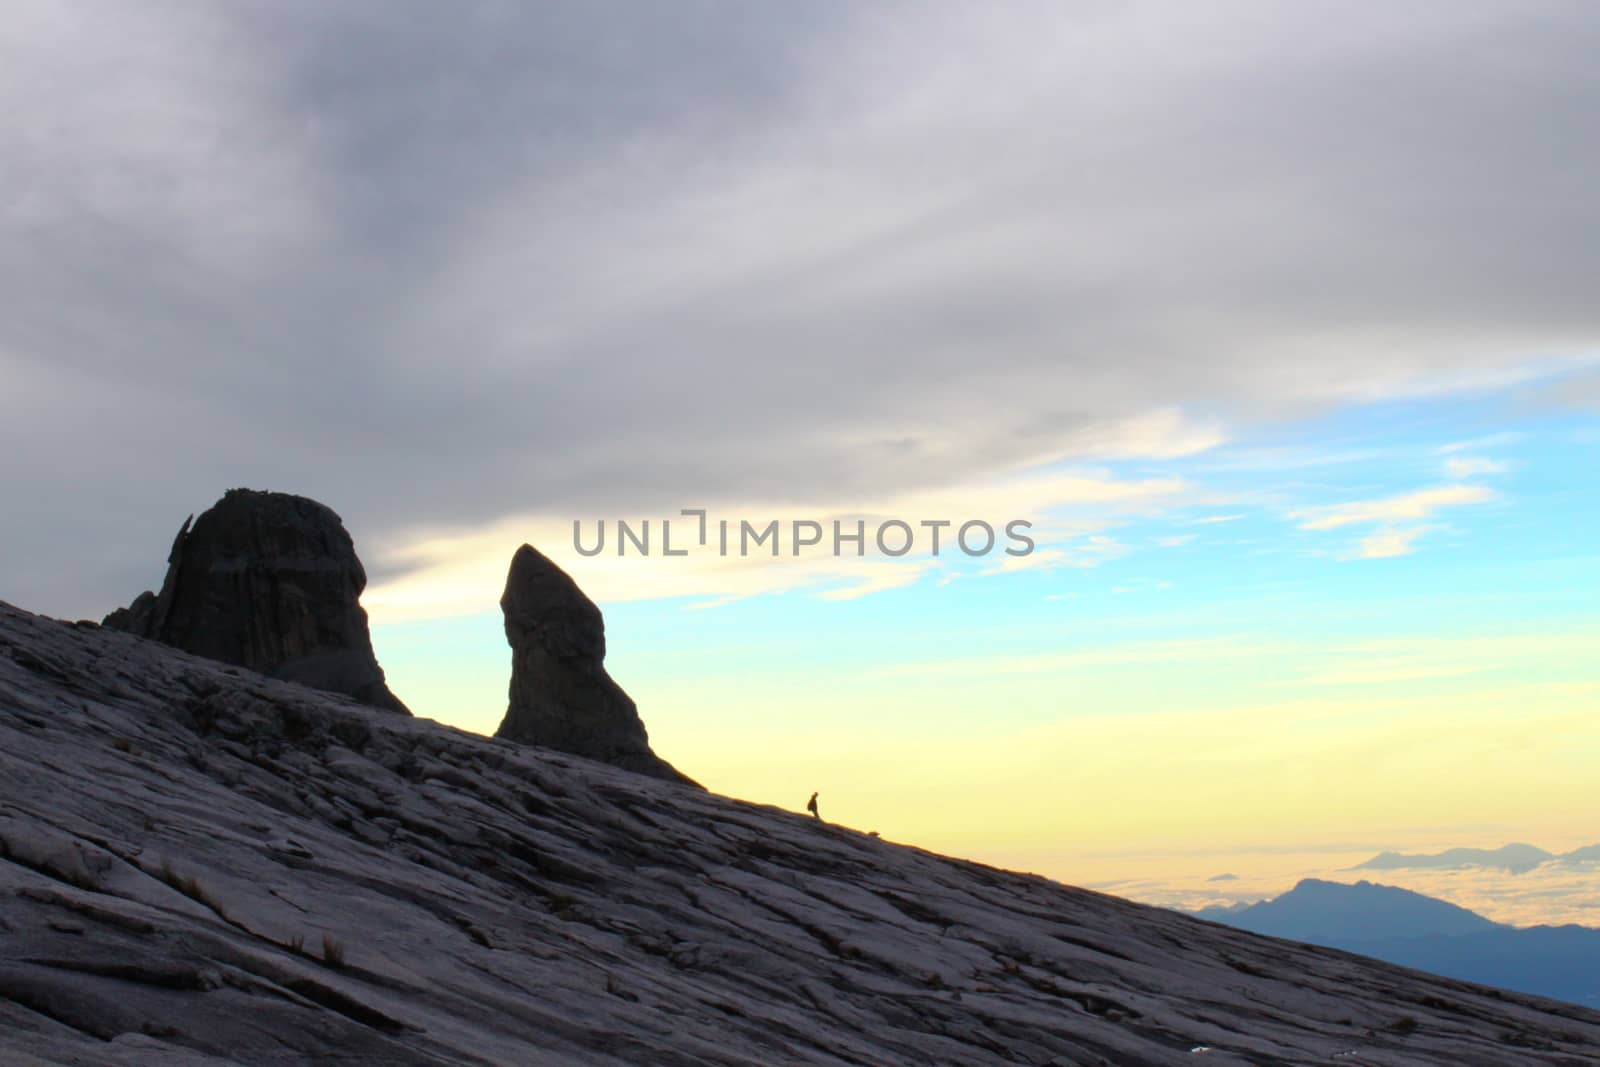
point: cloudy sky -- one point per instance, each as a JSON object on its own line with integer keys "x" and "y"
{"x": 1280, "y": 320}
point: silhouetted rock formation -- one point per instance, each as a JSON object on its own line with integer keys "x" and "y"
{"x": 271, "y": 582}
{"x": 561, "y": 695}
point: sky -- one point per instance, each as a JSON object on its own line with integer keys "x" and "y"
{"x": 1277, "y": 321}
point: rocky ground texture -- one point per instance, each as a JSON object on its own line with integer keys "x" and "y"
{"x": 202, "y": 866}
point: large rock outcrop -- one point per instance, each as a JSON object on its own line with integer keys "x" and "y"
{"x": 209, "y": 869}
{"x": 561, "y": 695}
{"x": 271, "y": 582}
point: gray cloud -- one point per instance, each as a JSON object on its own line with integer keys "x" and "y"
{"x": 1582, "y": 391}
{"x": 446, "y": 263}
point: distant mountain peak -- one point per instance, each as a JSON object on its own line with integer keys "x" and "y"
{"x": 1339, "y": 913}
{"x": 1414, "y": 930}
{"x": 1516, "y": 858}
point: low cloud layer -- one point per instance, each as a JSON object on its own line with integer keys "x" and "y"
{"x": 444, "y": 266}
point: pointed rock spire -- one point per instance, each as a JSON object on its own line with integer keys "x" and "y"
{"x": 561, "y": 695}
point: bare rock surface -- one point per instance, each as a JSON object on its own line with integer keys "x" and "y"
{"x": 271, "y": 582}
{"x": 561, "y": 695}
{"x": 201, "y": 866}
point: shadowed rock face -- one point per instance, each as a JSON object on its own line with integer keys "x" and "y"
{"x": 177, "y": 838}
{"x": 271, "y": 582}
{"x": 561, "y": 695}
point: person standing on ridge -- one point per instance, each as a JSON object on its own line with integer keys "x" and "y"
{"x": 811, "y": 806}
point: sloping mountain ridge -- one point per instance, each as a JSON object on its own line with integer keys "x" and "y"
{"x": 199, "y": 866}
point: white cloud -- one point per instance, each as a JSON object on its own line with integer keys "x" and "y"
{"x": 1142, "y": 585}
{"x": 1175, "y": 541}
{"x": 1387, "y": 544}
{"x": 877, "y": 577}
{"x": 1278, "y": 460}
{"x": 1042, "y": 559}
{"x": 1493, "y": 440}
{"x": 1473, "y": 466}
{"x": 460, "y": 571}
{"x": 1407, "y": 506}
{"x": 1082, "y": 552}
{"x": 1164, "y": 434}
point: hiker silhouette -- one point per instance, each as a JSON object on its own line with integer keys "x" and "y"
{"x": 811, "y": 805}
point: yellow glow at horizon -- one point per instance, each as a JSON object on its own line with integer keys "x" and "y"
{"x": 1398, "y": 742}
{"x": 1317, "y": 773}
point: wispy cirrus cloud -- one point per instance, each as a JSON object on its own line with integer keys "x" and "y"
{"x": 1402, "y": 518}
{"x": 1422, "y": 504}
{"x": 1080, "y": 552}
{"x": 458, "y": 571}
{"x": 1388, "y": 544}
{"x": 1493, "y": 440}
{"x": 1474, "y": 466}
